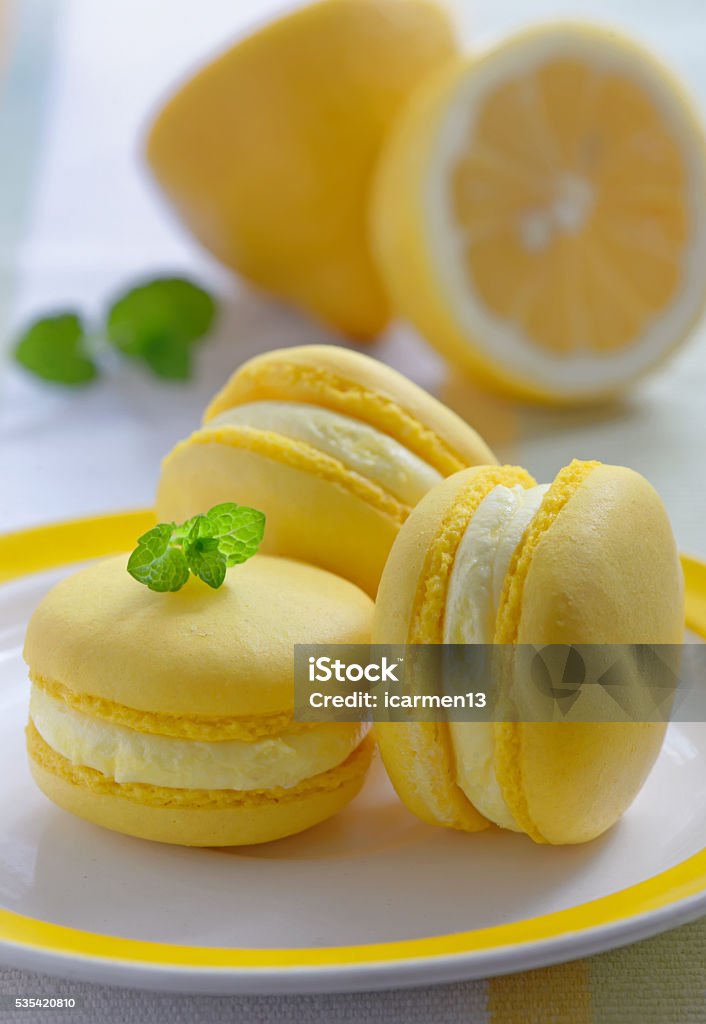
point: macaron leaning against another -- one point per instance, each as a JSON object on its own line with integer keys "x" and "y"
{"x": 169, "y": 716}
{"x": 490, "y": 557}
{"x": 336, "y": 448}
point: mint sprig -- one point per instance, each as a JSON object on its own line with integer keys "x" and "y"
{"x": 156, "y": 562}
{"x": 206, "y": 561}
{"x": 237, "y": 529}
{"x": 205, "y": 546}
{"x": 55, "y": 349}
{"x": 156, "y": 323}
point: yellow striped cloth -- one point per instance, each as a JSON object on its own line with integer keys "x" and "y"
{"x": 659, "y": 981}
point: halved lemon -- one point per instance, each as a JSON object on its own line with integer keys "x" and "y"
{"x": 539, "y": 213}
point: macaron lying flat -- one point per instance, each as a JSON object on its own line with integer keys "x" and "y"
{"x": 170, "y": 716}
{"x": 489, "y": 556}
{"x": 333, "y": 446}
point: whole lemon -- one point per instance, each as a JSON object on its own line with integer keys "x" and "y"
{"x": 267, "y": 154}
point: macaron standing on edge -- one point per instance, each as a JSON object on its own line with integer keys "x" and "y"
{"x": 170, "y": 716}
{"x": 490, "y": 557}
{"x": 335, "y": 447}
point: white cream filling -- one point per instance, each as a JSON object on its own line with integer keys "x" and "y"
{"x": 481, "y": 564}
{"x": 357, "y": 445}
{"x": 125, "y": 755}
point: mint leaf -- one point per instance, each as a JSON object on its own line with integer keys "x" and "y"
{"x": 158, "y": 321}
{"x": 206, "y": 561}
{"x": 205, "y": 545}
{"x": 181, "y": 532}
{"x": 156, "y": 563}
{"x": 167, "y": 358}
{"x": 54, "y": 349}
{"x": 201, "y": 526}
{"x": 238, "y": 529}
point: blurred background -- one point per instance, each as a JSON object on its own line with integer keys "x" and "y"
{"x": 80, "y": 219}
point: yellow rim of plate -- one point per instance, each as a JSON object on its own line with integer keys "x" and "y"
{"x": 48, "y": 547}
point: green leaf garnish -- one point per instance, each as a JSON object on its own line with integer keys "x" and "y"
{"x": 206, "y": 561}
{"x": 156, "y": 562}
{"x": 205, "y": 545}
{"x": 54, "y": 349}
{"x": 239, "y": 530}
{"x": 158, "y": 322}
{"x": 169, "y": 359}
{"x": 182, "y": 530}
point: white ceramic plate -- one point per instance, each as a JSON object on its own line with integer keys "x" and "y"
{"x": 370, "y": 899}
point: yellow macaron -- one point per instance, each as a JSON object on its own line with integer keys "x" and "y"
{"x": 489, "y": 556}
{"x": 336, "y": 448}
{"x": 170, "y": 716}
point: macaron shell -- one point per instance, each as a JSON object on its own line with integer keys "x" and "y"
{"x": 319, "y": 510}
{"x": 397, "y": 596}
{"x": 419, "y": 761}
{"x": 197, "y": 652}
{"x": 568, "y": 782}
{"x": 418, "y": 756}
{"x": 606, "y": 571}
{"x": 365, "y": 389}
{"x": 421, "y": 558}
{"x": 204, "y": 818}
{"x": 311, "y": 517}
